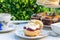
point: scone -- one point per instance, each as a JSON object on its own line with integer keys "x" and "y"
{"x": 33, "y": 28}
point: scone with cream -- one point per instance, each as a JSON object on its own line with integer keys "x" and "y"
{"x": 33, "y": 28}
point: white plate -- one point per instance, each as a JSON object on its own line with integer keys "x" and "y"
{"x": 47, "y": 25}
{"x": 7, "y": 30}
{"x": 52, "y": 6}
{"x": 21, "y": 34}
{"x": 15, "y": 22}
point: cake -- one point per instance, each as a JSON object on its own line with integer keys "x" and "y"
{"x": 52, "y": 2}
{"x": 35, "y": 16}
{"x": 40, "y": 1}
{"x": 47, "y": 18}
{"x": 59, "y": 2}
{"x": 51, "y": 18}
{"x": 33, "y": 28}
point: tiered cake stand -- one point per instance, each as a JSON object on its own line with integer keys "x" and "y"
{"x": 48, "y": 6}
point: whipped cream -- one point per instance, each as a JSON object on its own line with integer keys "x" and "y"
{"x": 32, "y": 26}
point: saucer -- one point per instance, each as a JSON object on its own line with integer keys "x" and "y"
{"x": 54, "y": 34}
{"x": 20, "y": 22}
{"x": 52, "y": 6}
{"x": 7, "y": 29}
{"x": 21, "y": 34}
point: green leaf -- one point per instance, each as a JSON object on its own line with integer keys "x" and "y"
{"x": 15, "y": 0}
{"x": 17, "y": 6}
{"x": 1, "y": 0}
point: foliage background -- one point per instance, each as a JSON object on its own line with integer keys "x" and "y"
{"x": 23, "y": 9}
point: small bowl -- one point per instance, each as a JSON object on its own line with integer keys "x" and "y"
{"x": 56, "y": 27}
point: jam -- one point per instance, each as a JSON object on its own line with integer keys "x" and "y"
{"x": 37, "y": 28}
{"x": 24, "y": 27}
{"x": 31, "y": 29}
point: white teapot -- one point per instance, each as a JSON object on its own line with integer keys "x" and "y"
{"x": 5, "y": 19}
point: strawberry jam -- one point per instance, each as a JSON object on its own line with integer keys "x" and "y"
{"x": 31, "y": 29}
{"x": 24, "y": 27}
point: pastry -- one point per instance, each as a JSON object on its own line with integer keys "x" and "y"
{"x": 47, "y": 18}
{"x": 52, "y": 2}
{"x": 59, "y": 2}
{"x": 40, "y": 1}
{"x": 50, "y": 18}
{"x": 33, "y": 28}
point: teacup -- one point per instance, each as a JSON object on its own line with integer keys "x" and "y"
{"x": 4, "y": 20}
{"x": 56, "y": 27}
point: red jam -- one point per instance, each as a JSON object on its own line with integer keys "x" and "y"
{"x": 31, "y": 29}
{"x": 37, "y": 28}
{"x": 24, "y": 27}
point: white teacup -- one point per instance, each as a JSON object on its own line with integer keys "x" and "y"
{"x": 5, "y": 20}
{"x": 56, "y": 27}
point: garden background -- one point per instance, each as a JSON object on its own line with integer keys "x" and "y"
{"x": 23, "y": 9}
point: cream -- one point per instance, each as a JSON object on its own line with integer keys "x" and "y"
{"x": 32, "y": 26}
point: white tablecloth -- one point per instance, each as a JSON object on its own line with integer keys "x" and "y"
{"x": 12, "y": 35}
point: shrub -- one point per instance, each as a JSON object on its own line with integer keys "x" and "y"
{"x": 22, "y": 9}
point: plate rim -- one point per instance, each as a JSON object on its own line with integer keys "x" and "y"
{"x": 51, "y": 6}
{"x": 17, "y": 21}
{"x": 37, "y": 37}
{"x": 9, "y": 29}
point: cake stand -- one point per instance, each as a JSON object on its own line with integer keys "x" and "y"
{"x": 49, "y": 6}
{"x": 52, "y": 6}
